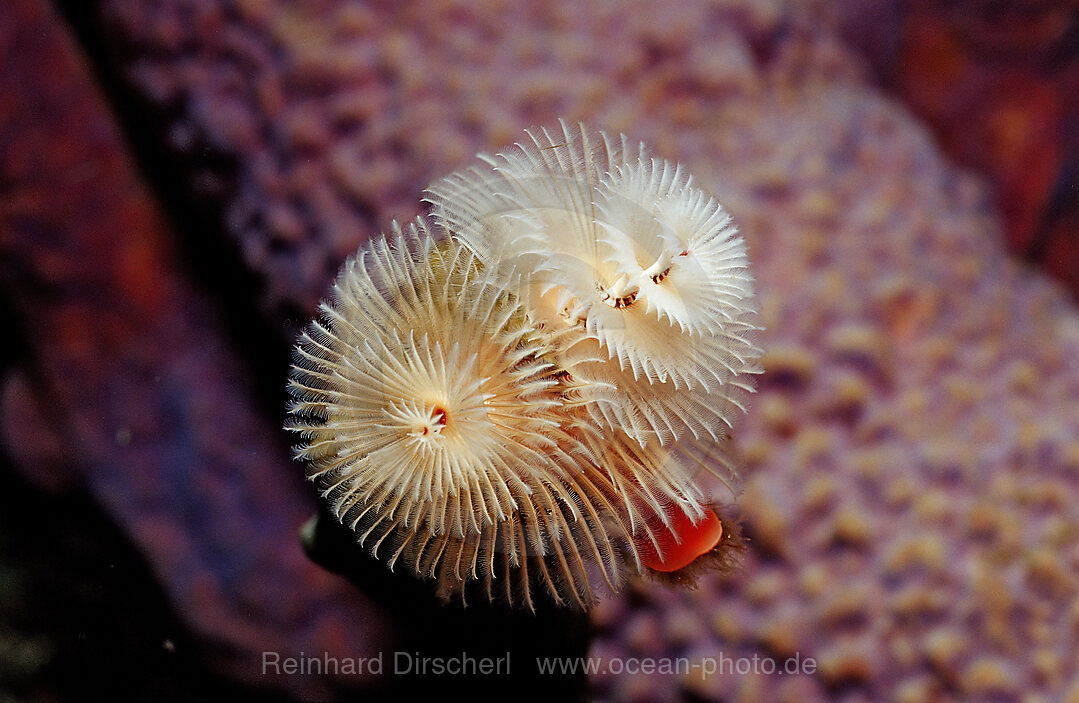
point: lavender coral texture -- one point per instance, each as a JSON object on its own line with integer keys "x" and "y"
{"x": 536, "y": 392}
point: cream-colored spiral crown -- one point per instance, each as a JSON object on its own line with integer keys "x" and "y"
{"x": 525, "y": 396}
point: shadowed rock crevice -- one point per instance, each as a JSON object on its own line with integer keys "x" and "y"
{"x": 194, "y": 183}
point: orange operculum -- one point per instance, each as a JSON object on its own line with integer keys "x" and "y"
{"x": 680, "y": 544}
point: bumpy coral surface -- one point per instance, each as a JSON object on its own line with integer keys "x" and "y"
{"x": 912, "y": 464}
{"x": 912, "y": 454}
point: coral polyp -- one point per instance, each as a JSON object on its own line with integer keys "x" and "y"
{"x": 532, "y": 395}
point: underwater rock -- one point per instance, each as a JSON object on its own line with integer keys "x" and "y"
{"x": 131, "y": 370}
